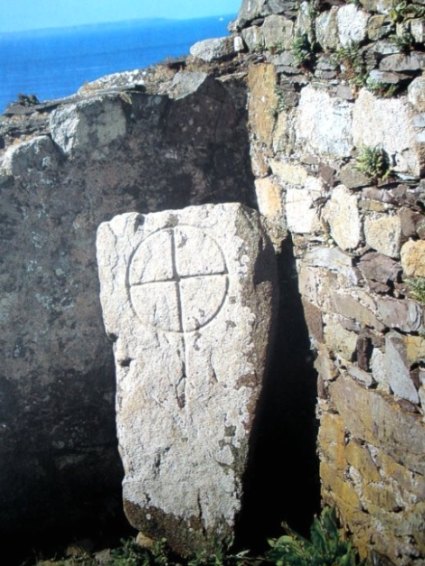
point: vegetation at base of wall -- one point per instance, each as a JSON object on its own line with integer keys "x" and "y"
{"x": 326, "y": 547}
{"x": 416, "y": 288}
{"x": 374, "y": 163}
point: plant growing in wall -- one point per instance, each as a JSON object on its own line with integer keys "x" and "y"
{"x": 326, "y": 547}
{"x": 303, "y": 50}
{"x": 404, "y": 9}
{"x": 383, "y": 90}
{"x": 351, "y": 62}
{"x": 374, "y": 163}
{"x": 416, "y": 288}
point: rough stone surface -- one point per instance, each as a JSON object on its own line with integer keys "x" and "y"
{"x": 416, "y": 93}
{"x": 404, "y": 315}
{"x": 301, "y": 215}
{"x": 383, "y": 234}
{"x": 413, "y": 258}
{"x": 324, "y": 124}
{"x": 343, "y": 217}
{"x": 327, "y": 29}
{"x": 379, "y": 269}
{"x": 398, "y": 367}
{"x": 88, "y": 124}
{"x": 253, "y": 37}
{"x": 374, "y": 125}
{"x": 188, "y": 296}
{"x": 278, "y": 32}
{"x": 352, "y": 24}
{"x": 399, "y": 62}
{"x": 381, "y": 422}
{"x": 213, "y": 49}
{"x": 262, "y": 100}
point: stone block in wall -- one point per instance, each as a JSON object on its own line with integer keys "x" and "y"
{"x": 253, "y": 38}
{"x": 358, "y": 305}
{"x": 352, "y": 178}
{"x": 383, "y": 234}
{"x": 253, "y": 9}
{"x": 314, "y": 320}
{"x": 189, "y": 296}
{"x": 89, "y": 124}
{"x": 38, "y": 154}
{"x": 416, "y": 94}
{"x": 380, "y": 421}
{"x": 270, "y": 204}
{"x": 332, "y": 259}
{"x": 304, "y": 21}
{"x": 301, "y": 212}
{"x": 209, "y": 50}
{"x": 413, "y": 258}
{"x": 401, "y": 352}
{"x": 332, "y": 441}
{"x": 262, "y": 101}
{"x": 352, "y": 24}
{"x": 324, "y": 124}
{"x": 388, "y": 123}
{"x": 290, "y": 173}
{"x": 379, "y": 270}
{"x": 381, "y": 6}
{"x": 378, "y": 26}
{"x": 400, "y": 62}
{"x": 417, "y": 29}
{"x": 278, "y": 32}
{"x": 359, "y": 456}
{"x": 342, "y": 214}
{"x": 405, "y": 315}
{"x": 327, "y": 29}
{"x": 379, "y": 371}
{"x": 340, "y": 341}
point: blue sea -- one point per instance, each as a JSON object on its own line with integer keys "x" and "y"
{"x": 53, "y": 63}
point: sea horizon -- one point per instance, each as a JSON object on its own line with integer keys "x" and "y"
{"x": 54, "y": 62}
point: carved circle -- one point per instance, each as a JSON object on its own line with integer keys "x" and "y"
{"x": 177, "y": 279}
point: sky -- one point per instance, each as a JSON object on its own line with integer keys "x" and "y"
{"x": 19, "y": 15}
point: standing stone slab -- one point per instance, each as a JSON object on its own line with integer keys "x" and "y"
{"x": 188, "y": 298}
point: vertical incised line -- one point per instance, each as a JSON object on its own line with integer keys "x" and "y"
{"x": 181, "y": 385}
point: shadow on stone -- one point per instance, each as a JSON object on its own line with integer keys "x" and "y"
{"x": 281, "y": 483}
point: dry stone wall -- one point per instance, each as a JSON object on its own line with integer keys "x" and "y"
{"x": 336, "y": 117}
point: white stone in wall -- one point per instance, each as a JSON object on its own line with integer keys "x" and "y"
{"x": 187, "y": 296}
{"x": 324, "y": 124}
{"x": 342, "y": 215}
{"x": 352, "y": 24}
{"x": 327, "y": 28}
{"x": 383, "y": 234}
{"x": 416, "y": 94}
{"x": 301, "y": 211}
{"x": 388, "y": 123}
{"x": 398, "y": 374}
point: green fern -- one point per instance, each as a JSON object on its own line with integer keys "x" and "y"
{"x": 326, "y": 547}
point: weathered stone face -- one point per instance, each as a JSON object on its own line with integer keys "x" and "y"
{"x": 187, "y": 297}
